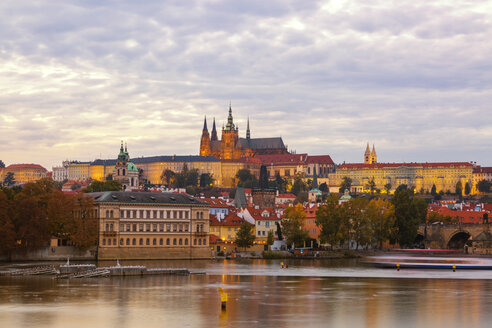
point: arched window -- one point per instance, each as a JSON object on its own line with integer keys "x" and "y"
{"x": 174, "y": 241}
{"x": 118, "y": 171}
{"x": 154, "y": 241}
{"x": 194, "y": 241}
{"x": 161, "y": 241}
{"x": 147, "y": 242}
{"x": 168, "y": 241}
{"x": 111, "y": 214}
{"x": 180, "y": 241}
{"x": 134, "y": 241}
{"x": 132, "y": 183}
{"x": 104, "y": 241}
{"x": 199, "y": 241}
{"x": 107, "y": 226}
{"x": 123, "y": 171}
{"x": 128, "y": 241}
{"x": 140, "y": 241}
{"x": 186, "y": 241}
{"x": 111, "y": 227}
{"x": 204, "y": 241}
{"x": 107, "y": 213}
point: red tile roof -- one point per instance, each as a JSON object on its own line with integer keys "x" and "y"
{"x": 256, "y": 213}
{"x": 392, "y": 165}
{"x": 464, "y": 216}
{"x": 480, "y": 169}
{"x": 320, "y": 159}
{"x": 25, "y": 166}
{"x": 230, "y": 220}
{"x": 215, "y": 202}
{"x": 242, "y": 160}
{"x": 286, "y": 196}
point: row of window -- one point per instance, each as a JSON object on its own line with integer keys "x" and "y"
{"x": 148, "y": 241}
{"x": 153, "y": 214}
{"x": 148, "y": 227}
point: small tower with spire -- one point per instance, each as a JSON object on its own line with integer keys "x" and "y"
{"x": 230, "y": 137}
{"x": 125, "y": 171}
{"x": 367, "y": 155}
{"x": 205, "y": 141}
{"x": 374, "y": 157}
{"x": 248, "y": 133}
{"x": 214, "y": 133}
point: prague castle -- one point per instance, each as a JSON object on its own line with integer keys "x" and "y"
{"x": 231, "y": 146}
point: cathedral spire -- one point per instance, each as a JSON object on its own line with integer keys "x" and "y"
{"x": 230, "y": 122}
{"x": 214, "y": 132}
{"x": 205, "y": 124}
{"x": 248, "y": 133}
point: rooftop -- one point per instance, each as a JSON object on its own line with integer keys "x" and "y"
{"x": 145, "y": 198}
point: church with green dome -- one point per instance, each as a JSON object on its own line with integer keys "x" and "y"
{"x": 125, "y": 171}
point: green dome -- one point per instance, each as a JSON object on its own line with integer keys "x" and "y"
{"x": 132, "y": 167}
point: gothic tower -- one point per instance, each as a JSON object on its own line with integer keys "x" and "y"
{"x": 248, "y": 133}
{"x": 229, "y": 139}
{"x": 214, "y": 133}
{"x": 367, "y": 155}
{"x": 374, "y": 157}
{"x": 205, "y": 142}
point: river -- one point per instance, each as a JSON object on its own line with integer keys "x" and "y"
{"x": 322, "y": 293}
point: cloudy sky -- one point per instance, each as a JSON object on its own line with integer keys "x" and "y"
{"x": 412, "y": 77}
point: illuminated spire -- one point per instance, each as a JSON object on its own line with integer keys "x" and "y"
{"x": 205, "y": 124}
{"x": 248, "y": 133}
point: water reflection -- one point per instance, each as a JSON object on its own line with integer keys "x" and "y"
{"x": 257, "y": 297}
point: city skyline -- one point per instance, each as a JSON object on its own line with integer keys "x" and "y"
{"x": 413, "y": 79}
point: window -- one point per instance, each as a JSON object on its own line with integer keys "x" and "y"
{"x": 174, "y": 241}
{"x": 128, "y": 214}
{"x": 122, "y": 214}
{"x": 104, "y": 241}
{"x": 134, "y": 227}
{"x": 180, "y": 214}
{"x": 147, "y": 241}
{"x": 141, "y": 214}
{"x": 161, "y": 214}
{"x": 175, "y": 214}
{"x": 168, "y": 241}
{"x": 180, "y": 241}
{"x": 107, "y": 213}
{"x": 128, "y": 227}
{"x": 134, "y": 241}
{"x": 114, "y": 241}
{"x": 186, "y": 241}
{"x": 134, "y": 214}
{"x": 204, "y": 241}
{"x": 111, "y": 214}
{"x": 128, "y": 241}
{"x": 186, "y": 227}
{"x": 186, "y": 214}
{"x": 180, "y": 228}
{"x": 147, "y": 227}
{"x": 168, "y": 214}
{"x": 140, "y": 242}
{"x": 140, "y": 227}
{"x": 161, "y": 227}
{"x": 259, "y": 223}
{"x": 259, "y": 233}
{"x": 111, "y": 227}
{"x": 199, "y": 241}
{"x": 168, "y": 227}
{"x": 155, "y": 215}
{"x": 154, "y": 227}
{"x": 194, "y": 241}
{"x": 161, "y": 241}
{"x": 122, "y": 227}
{"x": 107, "y": 227}
{"x": 148, "y": 214}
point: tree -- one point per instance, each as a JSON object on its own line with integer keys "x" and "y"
{"x": 280, "y": 183}
{"x": 323, "y": 187}
{"x": 206, "y": 180}
{"x": 358, "y": 222}
{"x": 409, "y": 213}
{"x": 299, "y": 184}
{"x": 83, "y": 228}
{"x": 7, "y": 229}
{"x": 59, "y": 213}
{"x": 467, "y": 188}
{"x": 292, "y": 223}
{"x": 371, "y": 185}
{"x": 245, "y": 236}
{"x": 346, "y": 184}
{"x": 244, "y": 175}
{"x": 484, "y": 186}
{"x": 2, "y": 164}
{"x": 433, "y": 190}
{"x": 167, "y": 177}
{"x": 9, "y": 179}
{"x": 459, "y": 188}
{"x": 331, "y": 218}
{"x": 263, "y": 182}
{"x": 109, "y": 177}
{"x": 387, "y": 188}
{"x": 381, "y": 215}
{"x": 270, "y": 238}
{"x": 99, "y": 186}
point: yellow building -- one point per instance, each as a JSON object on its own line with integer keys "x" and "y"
{"x": 24, "y": 173}
{"x": 77, "y": 171}
{"x": 226, "y": 228}
{"x": 137, "y": 225}
{"x": 421, "y": 176}
{"x": 229, "y": 169}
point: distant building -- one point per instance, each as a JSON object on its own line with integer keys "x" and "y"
{"x": 231, "y": 146}
{"x": 144, "y": 225}
{"x": 24, "y": 173}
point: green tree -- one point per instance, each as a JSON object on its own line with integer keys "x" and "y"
{"x": 467, "y": 188}
{"x": 323, "y": 187}
{"x": 245, "y": 236}
{"x": 9, "y": 179}
{"x": 409, "y": 213}
{"x": 387, "y": 188}
{"x": 2, "y": 164}
{"x": 371, "y": 185}
{"x": 299, "y": 184}
{"x": 270, "y": 238}
{"x": 346, "y": 184}
{"x": 433, "y": 190}
{"x": 332, "y": 219}
{"x": 484, "y": 186}
{"x": 280, "y": 183}
{"x": 99, "y": 186}
{"x": 292, "y": 223}
{"x": 167, "y": 177}
{"x": 206, "y": 180}
{"x": 358, "y": 221}
{"x": 459, "y": 188}
{"x": 244, "y": 175}
{"x": 381, "y": 215}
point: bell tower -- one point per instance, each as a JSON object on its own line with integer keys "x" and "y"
{"x": 374, "y": 157}
{"x": 367, "y": 155}
{"x": 229, "y": 140}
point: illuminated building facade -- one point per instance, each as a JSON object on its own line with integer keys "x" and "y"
{"x": 24, "y": 173}
{"x": 139, "y": 225}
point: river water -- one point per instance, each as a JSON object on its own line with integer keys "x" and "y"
{"x": 322, "y": 293}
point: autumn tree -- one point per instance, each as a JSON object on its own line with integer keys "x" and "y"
{"x": 345, "y": 184}
{"x": 387, "y": 188}
{"x": 245, "y": 236}
{"x": 381, "y": 215}
{"x": 7, "y": 229}
{"x": 371, "y": 185}
{"x": 292, "y": 224}
{"x": 357, "y": 221}
{"x": 331, "y": 218}
{"x": 83, "y": 228}
{"x": 167, "y": 177}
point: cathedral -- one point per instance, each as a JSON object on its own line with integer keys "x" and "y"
{"x": 231, "y": 146}
{"x": 370, "y": 157}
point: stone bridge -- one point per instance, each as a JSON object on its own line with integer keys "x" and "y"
{"x": 454, "y": 236}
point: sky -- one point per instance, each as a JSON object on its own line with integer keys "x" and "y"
{"x": 412, "y": 77}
